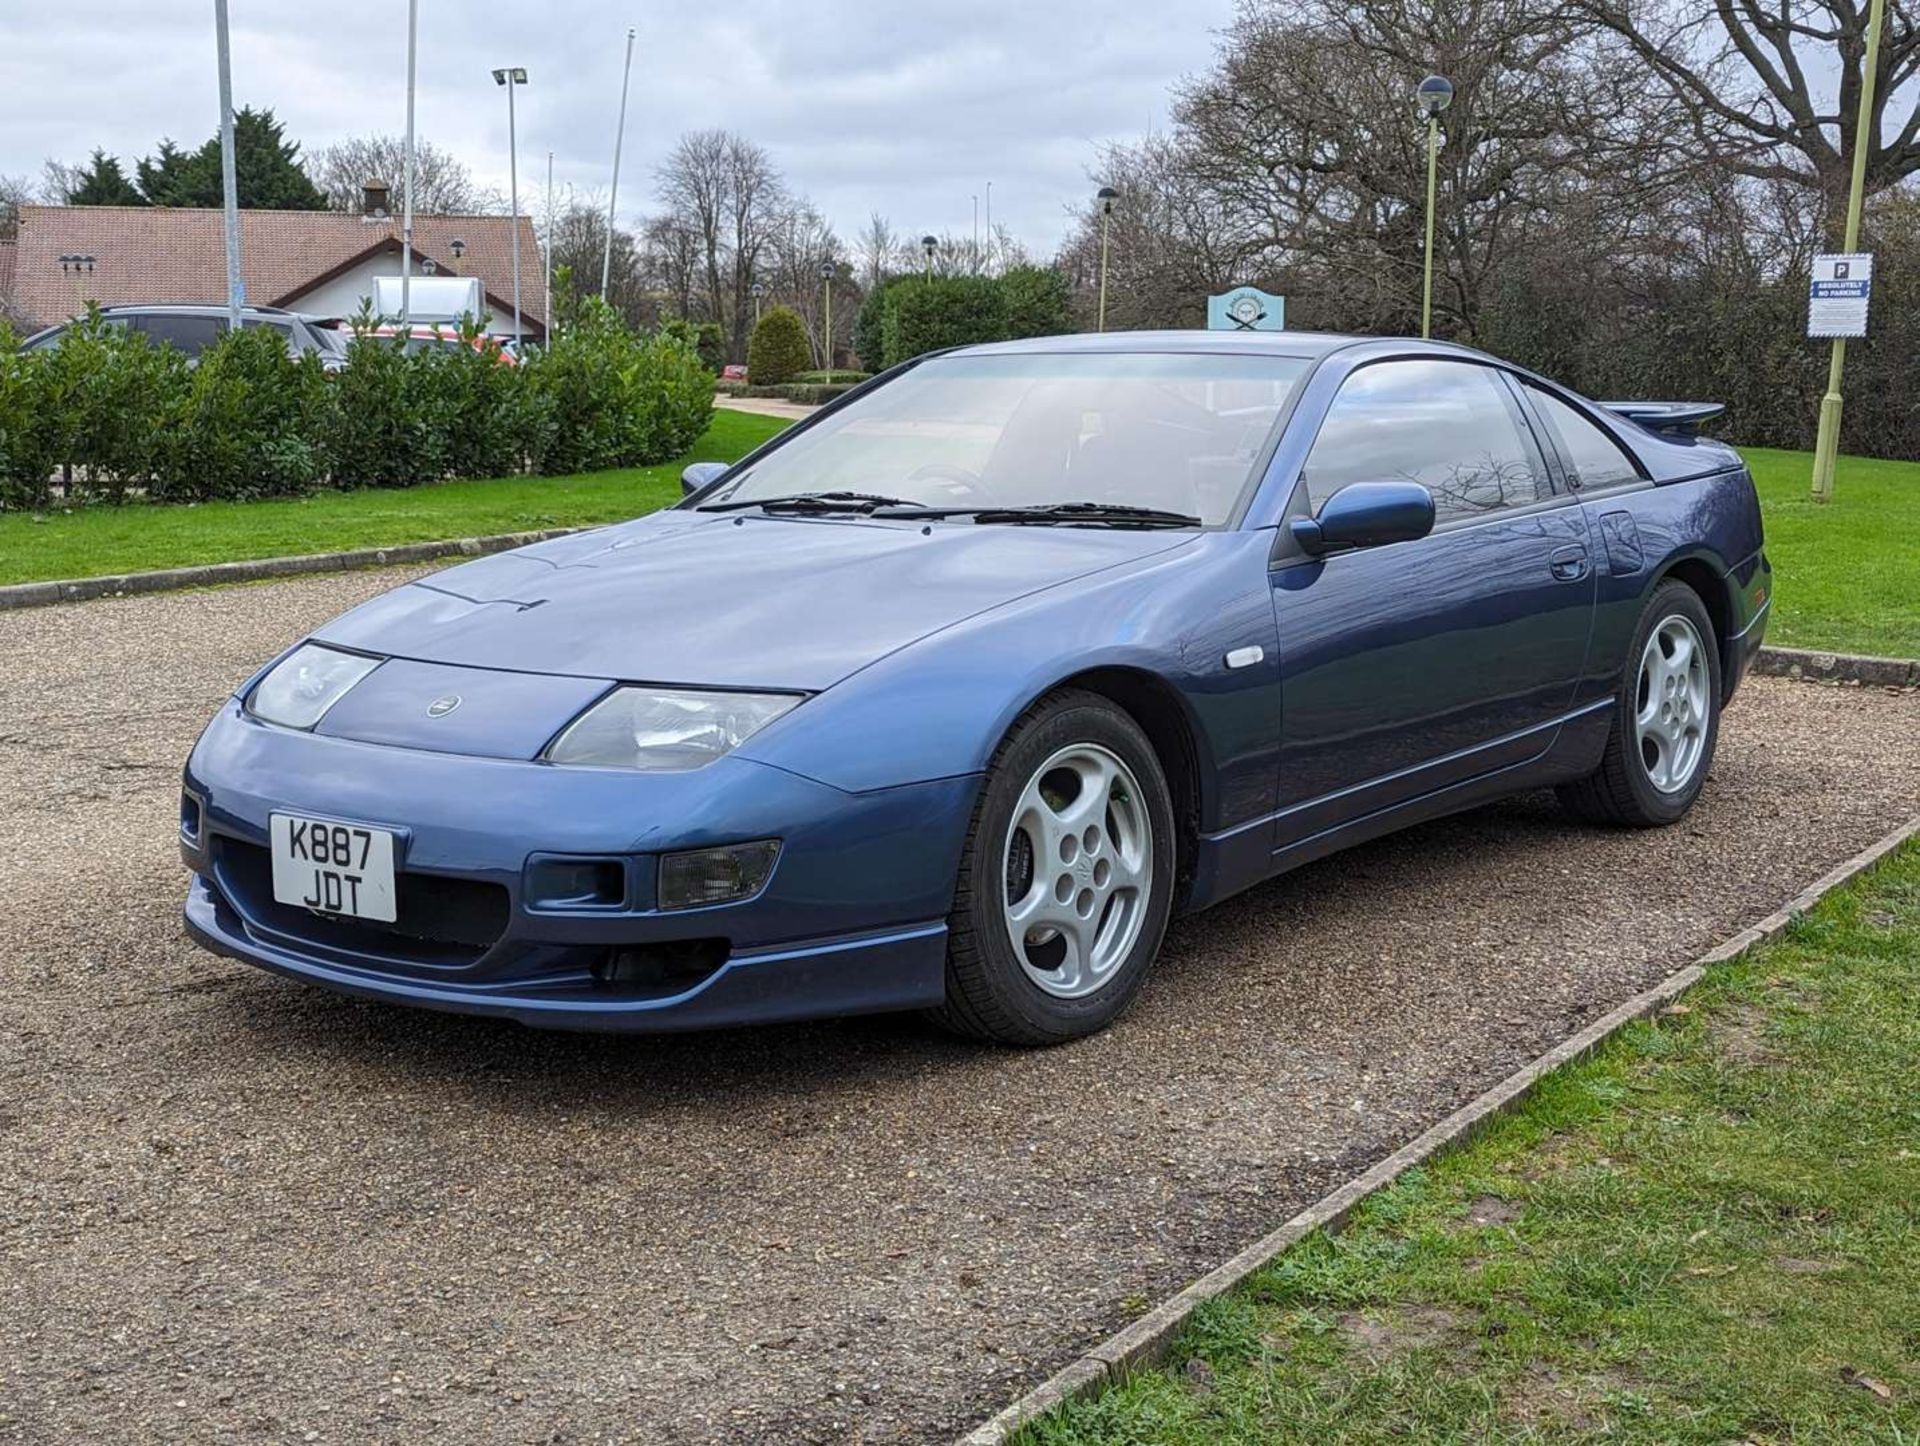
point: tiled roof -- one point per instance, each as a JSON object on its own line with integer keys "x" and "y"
{"x": 158, "y": 254}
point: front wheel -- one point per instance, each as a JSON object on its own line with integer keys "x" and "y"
{"x": 1666, "y": 719}
{"x": 1066, "y": 881}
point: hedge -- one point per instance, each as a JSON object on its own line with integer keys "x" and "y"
{"x": 111, "y": 413}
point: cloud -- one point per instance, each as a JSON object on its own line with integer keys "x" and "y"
{"x": 908, "y": 109}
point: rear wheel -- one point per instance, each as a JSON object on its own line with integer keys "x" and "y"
{"x": 1066, "y": 881}
{"x": 1666, "y": 719}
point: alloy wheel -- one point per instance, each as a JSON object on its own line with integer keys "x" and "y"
{"x": 1670, "y": 709}
{"x": 1078, "y": 870}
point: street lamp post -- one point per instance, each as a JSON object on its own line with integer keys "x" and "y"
{"x": 619, "y": 135}
{"x": 1434, "y": 95}
{"x": 759, "y": 289}
{"x": 929, "y": 244}
{"x": 406, "y": 186}
{"x": 1106, "y": 196}
{"x": 1826, "y": 445}
{"x": 229, "y": 177}
{"x": 513, "y": 77}
{"x": 826, "y": 348}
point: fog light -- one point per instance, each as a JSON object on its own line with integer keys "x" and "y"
{"x": 716, "y": 876}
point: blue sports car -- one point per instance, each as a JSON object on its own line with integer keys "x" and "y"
{"x": 948, "y": 698}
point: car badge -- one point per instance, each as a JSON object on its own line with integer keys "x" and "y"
{"x": 440, "y": 707}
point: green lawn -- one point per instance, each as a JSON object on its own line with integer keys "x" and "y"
{"x": 1708, "y": 1233}
{"x": 90, "y": 541}
{"x": 1847, "y": 575}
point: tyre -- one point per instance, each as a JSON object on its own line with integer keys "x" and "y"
{"x": 1066, "y": 880}
{"x": 1666, "y": 719}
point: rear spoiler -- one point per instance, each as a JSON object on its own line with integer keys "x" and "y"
{"x": 1674, "y": 419}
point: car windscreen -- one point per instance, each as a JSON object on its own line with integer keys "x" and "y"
{"x": 1180, "y": 432}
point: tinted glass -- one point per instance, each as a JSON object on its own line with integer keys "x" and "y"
{"x": 1451, "y": 426}
{"x": 191, "y": 334}
{"x": 1178, "y": 432}
{"x": 1593, "y": 458}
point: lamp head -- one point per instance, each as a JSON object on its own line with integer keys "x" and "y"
{"x": 458, "y": 247}
{"x": 1434, "y": 95}
{"x": 1106, "y": 196}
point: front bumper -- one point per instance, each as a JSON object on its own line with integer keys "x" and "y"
{"x": 851, "y": 921}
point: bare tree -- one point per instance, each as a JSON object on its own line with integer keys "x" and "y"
{"x": 877, "y": 248}
{"x": 15, "y": 192}
{"x": 725, "y": 191}
{"x": 442, "y": 184}
{"x": 1756, "y": 80}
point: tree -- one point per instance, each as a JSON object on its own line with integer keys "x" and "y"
{"x": 876, "y": 248}
{"x": 442, "y": 184}
{"x": 725, "y": 192}
{"x": 268, "y": 170}
{"x": 100, "y": 183}
{"x": 1753, "y": 77}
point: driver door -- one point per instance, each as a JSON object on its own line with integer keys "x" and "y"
{"x": 1413, "y": 666}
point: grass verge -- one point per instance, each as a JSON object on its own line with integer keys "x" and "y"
{"x": 96, "y": 540}
{"x": 1847, "y": 575}
{"x": 1707, "y": 1233}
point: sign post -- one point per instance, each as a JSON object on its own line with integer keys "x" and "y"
{"x": 1246, "y": 308}
{"x": 1827, "y": 447}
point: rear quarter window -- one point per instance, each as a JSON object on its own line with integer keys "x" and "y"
{"x": 1593, "y": 459}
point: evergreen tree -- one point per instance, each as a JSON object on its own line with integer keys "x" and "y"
{"x": 103, "y": 183}
{"x": 267, "y": 167}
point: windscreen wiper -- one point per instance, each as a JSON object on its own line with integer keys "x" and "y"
{"x": 812, "y": 502}
{"x": 1106, "y": 514}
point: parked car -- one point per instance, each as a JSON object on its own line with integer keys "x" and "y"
{"x": 192, "y": 329}
{"x": 951, "y": 696}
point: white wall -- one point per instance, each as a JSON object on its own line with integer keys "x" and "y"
{"x": 342, "y": 295}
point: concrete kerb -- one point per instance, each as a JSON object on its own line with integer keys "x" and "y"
{"x": 41, "y": 594}
{"x": 1146, "y": 1341}
{"x": 1818, "y": 667}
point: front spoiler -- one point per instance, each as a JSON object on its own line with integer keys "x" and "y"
{"x": 899, "y": 969}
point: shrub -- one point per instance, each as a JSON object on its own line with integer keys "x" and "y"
{"x": 1036, "y": 301}
{"x": 392, "y": 413}
{"x": 29, "y": 429}
{"x": 869, "y": 329}
{"x": 494, "y": 420}
{"x": 250, "y": 423}
{"x": 610, "y": 399}
{"x": 930, "y": 314}
{"x": 705, "y": 337}
{"x": 779, "y": 350}
{"x": 107, "y": 394}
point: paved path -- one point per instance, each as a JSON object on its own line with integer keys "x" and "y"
{"x": 765, "y": 407}
{"x": 235, "y": 1209}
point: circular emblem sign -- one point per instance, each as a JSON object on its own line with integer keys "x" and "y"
{"x": 440, "y": 707}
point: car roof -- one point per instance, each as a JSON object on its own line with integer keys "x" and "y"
{"x": 1305, "y": 345}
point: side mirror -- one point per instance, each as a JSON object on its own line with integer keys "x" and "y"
{"x": 698, "y": 475}
{"x": 1366, "y": 514}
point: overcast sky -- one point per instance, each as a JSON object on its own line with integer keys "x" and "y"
{"x": 908, "y": 107}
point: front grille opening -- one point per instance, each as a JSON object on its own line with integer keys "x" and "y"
{"x": 650, "y": 971}
{"x": 440, "y": 920}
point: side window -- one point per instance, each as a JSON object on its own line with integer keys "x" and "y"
{"x": 1451, "y": 426}
{"x": 191, "y": 334}
{"x": 1593, "y": 458}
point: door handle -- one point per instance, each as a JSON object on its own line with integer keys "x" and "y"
{"x": 1569, "y": 564}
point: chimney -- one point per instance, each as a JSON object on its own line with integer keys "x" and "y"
{"x": 373, "y": 198}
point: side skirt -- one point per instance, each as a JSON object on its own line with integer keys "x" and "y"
{"x": 1230, "y": 863}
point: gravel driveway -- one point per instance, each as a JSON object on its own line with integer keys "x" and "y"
{"x": 232, "y": 1208}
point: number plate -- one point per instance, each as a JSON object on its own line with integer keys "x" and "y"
{"x": 332, "y": 868}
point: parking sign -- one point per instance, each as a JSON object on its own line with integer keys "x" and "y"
{"x": 1837, "y": 300}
